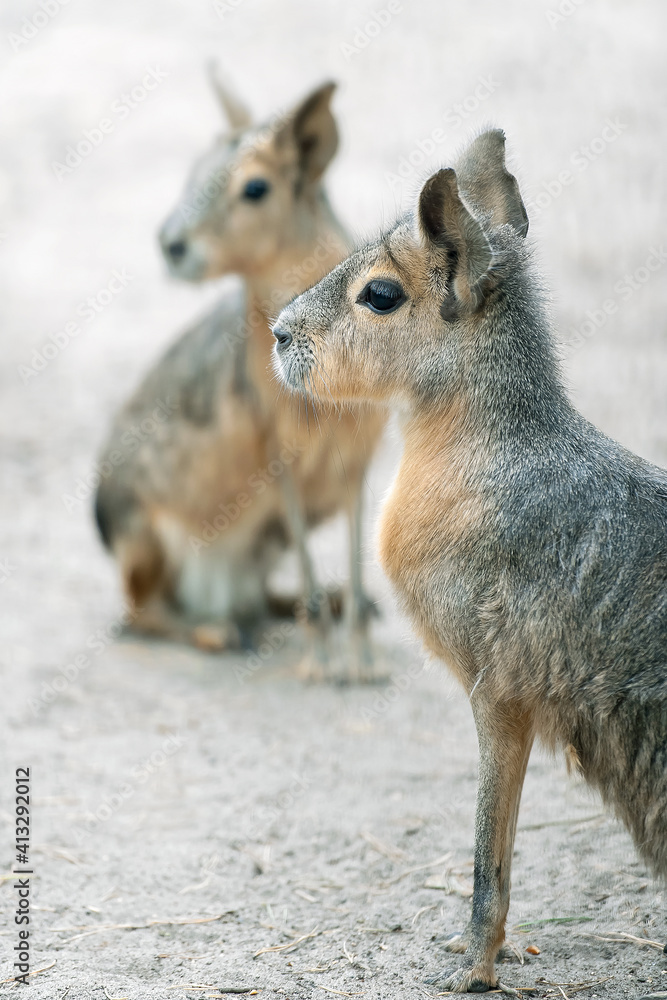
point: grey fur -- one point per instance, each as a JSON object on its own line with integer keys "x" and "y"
{"x": 550, "y": 603}
{"x": 210, "y": 471}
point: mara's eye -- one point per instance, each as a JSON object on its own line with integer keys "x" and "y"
{"x": 382, "y": 296}
{"x": 256, "y": 188}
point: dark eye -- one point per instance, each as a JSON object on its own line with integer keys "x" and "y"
{"x": 382, "y": 296}
{"x": 256, "y": 189}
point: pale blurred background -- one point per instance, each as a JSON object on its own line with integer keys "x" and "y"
{"x": 551, "y": 80}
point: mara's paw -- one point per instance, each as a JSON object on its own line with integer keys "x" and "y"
{"x": 313, "y": 666}
{"x": 216, "y": 638}
{"x": 359, "y": 661}
{"x": 475, "y": 980}
{"x": 457, "y": 943}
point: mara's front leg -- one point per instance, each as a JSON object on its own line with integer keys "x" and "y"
{"x": 505, "y": 733}
{"x": 318, "y": 617}
{"x": 358, "y": 607}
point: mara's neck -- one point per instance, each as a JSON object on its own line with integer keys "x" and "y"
{"x": 501, "y": 390}
{"x": 439, "y": 439}
{"x": 316, "y": 244}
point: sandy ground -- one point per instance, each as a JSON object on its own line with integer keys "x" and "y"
{"x": 187, "y": 812}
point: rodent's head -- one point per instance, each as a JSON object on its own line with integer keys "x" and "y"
{"x": 389, "y": 322}
{"x": 241, "y": 204}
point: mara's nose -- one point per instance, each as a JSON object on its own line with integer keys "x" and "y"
{"x": 284, "y": 337}
{"x": 175, "y": 250}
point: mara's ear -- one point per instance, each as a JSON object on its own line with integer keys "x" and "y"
{"x": 311, "y": 127}
{"x": 486, "y": 182}
{"x": 457, "y": 242}
{"x": 235, "y": 111}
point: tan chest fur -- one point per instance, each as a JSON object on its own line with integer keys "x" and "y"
{"x": 432, "y": 507}
{"x": 237, "y": 460}
{"x": 433, "y": 502}
{"x": 332, "y": 446}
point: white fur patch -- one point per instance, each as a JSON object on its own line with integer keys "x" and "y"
{"x": 215, "y": 581}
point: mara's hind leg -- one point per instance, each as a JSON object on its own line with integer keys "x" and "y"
{"x": 505, "y": 733}
{"x": 148, "y": 586}
{"x": 161, "y": 620}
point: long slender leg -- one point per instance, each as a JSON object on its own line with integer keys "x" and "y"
{"x": 316, "y": 603}
{"x": 288, "y": 605}
{"x": 357, "y": 606}
{"x": 505, "y": 733}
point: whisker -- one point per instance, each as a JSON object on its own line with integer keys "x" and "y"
{"x": 314, "y": 400}
{"x": 320, "y": 372}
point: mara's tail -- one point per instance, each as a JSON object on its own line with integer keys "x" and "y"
{"x": 127, "y": 532}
